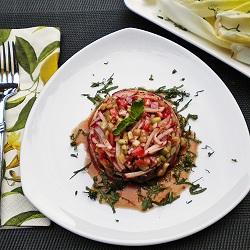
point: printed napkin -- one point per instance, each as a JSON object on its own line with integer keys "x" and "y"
{"x": 37, "y": 49}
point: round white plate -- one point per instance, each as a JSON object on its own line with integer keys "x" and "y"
{"x": 133, "y": 56}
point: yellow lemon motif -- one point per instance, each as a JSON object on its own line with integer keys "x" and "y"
{"x": 49, "y": 67}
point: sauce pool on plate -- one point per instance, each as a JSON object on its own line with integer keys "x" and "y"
{"x": 141, "y": 156}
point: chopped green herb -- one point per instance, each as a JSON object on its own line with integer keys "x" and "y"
{"x": 196, "y": 189}
{"x": 234, "y": 160}
{"x": 103, "y": 92}
{"x": 173, "y": 95}
{"x": 214, "y": 10}
{"x": 199, "y": 91}
{"x": 184, "y": 107}
{"x": 176, "y": 24}
{"x": 168, "y": 199}
{"x": 73, "y": 137}
{"x": 161, "y": 17}
{"x": 154, "y": 190}
{"x": 147, "y": 204}
{"x": 209, "y": 153}
{"x": 184, "y": 121}
{"x": 81, "y": 170}
{"x": 92, "y": 194}
{"x": 74, "y": 155}
{"x": 234, "y": 28}
{"x": 105, "y": 190}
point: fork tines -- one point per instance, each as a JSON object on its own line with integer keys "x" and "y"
{"x": 8, "y": 64}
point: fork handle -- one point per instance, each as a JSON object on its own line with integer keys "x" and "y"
{"x": 2, "y": 130}
{"x": 2, "y": 127}
{"x": 1, "y": 156}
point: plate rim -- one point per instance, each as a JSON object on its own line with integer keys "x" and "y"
{"x": 131, "y": 243}
{"x": 193, "y": 39}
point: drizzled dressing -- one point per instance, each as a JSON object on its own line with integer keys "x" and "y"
{"x": 129, "y": 195}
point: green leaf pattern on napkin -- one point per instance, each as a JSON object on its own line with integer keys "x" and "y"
{"x": 48, "y": 50}
{"x": 19, "y": 219}
{"x": 26, "y": 55}
{"x": 4, "y": 34}
{"x": 17, "y": 190}
{"x": 23, "y": 115}
{"x": 33, "y": 46}
{"x": 14, "y": 103}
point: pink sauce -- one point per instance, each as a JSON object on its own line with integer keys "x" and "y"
{"x": 131, "y": 199}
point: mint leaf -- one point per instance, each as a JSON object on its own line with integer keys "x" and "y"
{"x": 122, "y": 125}
{"x": 137, "y": 108}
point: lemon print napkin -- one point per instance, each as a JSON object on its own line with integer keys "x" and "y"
{"x": 37, "y": 49}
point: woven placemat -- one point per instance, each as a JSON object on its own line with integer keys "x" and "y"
{"x": 81, "y": 23}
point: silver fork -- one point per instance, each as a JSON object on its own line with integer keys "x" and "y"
{"x": 9, "y": 83}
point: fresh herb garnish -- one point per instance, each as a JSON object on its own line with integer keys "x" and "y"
{"x": 175, "y": 24}
{"x": 161, "y": 17}
{"x": 168, "y": 199}
{"x": 81, "y": 170}
{"x": 137, "y": 108}
{"x": 194, "y": 188}
{"x": 234, "y": 160}
{"x": 147, "y": 203}
{"x": 209, "y": 153}
{"x": 214, "y": 10}
{"x": 186, "y": 128}
{"x": 151, "y": 78}
{"x": 184, "y": 107}
{"x": 197, "y": 92}
{"x": 173, "y": 95}
{"x": 74, "y": 155}
{"x": 155, "y": 190}
{"x": 103, "y": 92}
{"x": 105, "y": 190}
{"x": 73, "y": 137}
{"x": 92, "y": 194}
{"x": 234, "y": 28}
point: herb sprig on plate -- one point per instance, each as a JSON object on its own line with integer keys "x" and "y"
{"x": 107, "y": 191}
{"x": 104, "y": 90}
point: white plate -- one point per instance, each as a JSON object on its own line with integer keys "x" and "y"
{"x": 148, "y": 10}
{"x": 133, "y": 55}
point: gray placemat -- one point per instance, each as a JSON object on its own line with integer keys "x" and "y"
{"x": 81, "y": 23}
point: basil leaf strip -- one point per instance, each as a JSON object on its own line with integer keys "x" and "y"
{"x": 137, "y": 108}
